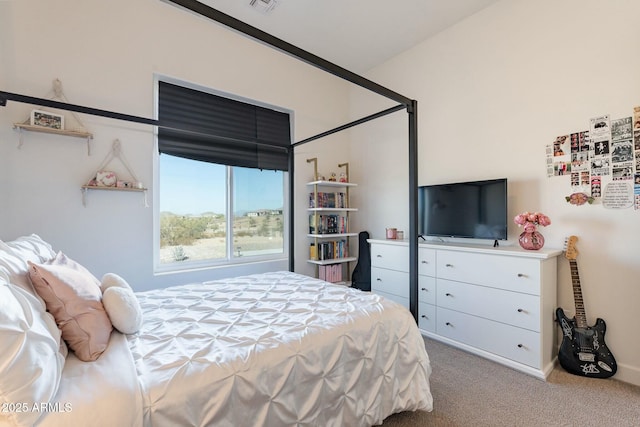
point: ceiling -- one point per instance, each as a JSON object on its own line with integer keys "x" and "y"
{"x": 354, "y": 34}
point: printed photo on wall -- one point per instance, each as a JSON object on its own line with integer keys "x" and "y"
{"x": 622, "y": 152}
{"x": 621, "y": 129}
{"x": 621, "y": 173}
{"x": 636, "y": 118}
{"x": 600, "y": 166}
{"x": 600, "y": 148}
{"x": 579, "y": 142}
{"x": 600, "y": 128}
{"x": 580, "y": 161}
{"x": 561, "y": 146}
{"x": 596, "y": 186}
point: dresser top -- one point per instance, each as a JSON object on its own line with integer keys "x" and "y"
{"x": 511, "y": 250}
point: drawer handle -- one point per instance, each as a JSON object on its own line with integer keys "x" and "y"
{"x": 425, "y": 289}
{"x": 424, "y": 316}
{"x": 522, "y": 275}
{"x": 448, "y": 265}
{"x": 520, "y": 310}
{"x": 448, "y": 324}
{"x": 448, "y": 294}
{"x": 379, "y": 279}
{"x": 520, "y": 346}
{"x": 425, "y": 262}
{"x": 379, "y": 256}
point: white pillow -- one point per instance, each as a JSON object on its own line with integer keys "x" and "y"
{"x": 13, "y": 262}
{"x": 112, "y": 279}
{"x": 30, "y": 363}
{"x": 123, "y": 309}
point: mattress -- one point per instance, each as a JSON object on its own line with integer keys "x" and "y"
{"x": 276, "y": 349}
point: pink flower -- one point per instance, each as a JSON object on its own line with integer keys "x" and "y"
{"x": 528, "y": 219}
{"x": 520, "y": 219}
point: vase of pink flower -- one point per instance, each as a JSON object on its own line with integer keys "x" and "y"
{"x": 531, "y": 238}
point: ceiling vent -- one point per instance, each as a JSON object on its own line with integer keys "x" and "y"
{"x": 264, "y": 6}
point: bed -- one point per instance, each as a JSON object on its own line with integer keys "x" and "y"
{"x": 272, "y": 349}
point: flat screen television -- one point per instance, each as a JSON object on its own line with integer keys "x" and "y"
{"x": 475, "y": 209}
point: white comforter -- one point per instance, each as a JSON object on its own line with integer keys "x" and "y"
{"x": 103, "y": 393}
{"x": 277, "y": 349}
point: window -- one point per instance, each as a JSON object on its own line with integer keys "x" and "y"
{"x": 221, "y": 189}
{"x": 200, "y": 202}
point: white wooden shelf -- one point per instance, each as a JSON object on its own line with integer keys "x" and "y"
{"x": 332, "y": 184}
{"x": 332, "y": 209}
{"x": 332, "y": 261}
{"x": 331, "y": 235}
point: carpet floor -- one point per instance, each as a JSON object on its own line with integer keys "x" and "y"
{"x": 471, "y": 391}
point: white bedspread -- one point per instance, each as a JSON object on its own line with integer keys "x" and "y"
{"x": 103, "y": 393}
{"x": 277, "y": 349}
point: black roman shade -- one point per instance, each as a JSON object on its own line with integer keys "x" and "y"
{"x": 206, "y": 127}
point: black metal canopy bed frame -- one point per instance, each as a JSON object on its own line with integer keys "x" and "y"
{"x": 404, "y": 103}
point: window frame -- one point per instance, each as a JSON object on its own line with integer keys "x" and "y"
{"x": 230, "y": 260}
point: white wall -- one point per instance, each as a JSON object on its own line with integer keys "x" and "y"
{"x": 106, "y": 55}
{"x": 494, "y": 90}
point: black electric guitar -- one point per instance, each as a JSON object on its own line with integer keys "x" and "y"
{"x": 583, "y": 350}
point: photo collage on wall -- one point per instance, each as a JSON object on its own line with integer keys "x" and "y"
{"x": 607, "y": 154}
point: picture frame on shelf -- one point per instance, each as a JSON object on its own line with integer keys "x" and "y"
{"x": 47, "y": 119}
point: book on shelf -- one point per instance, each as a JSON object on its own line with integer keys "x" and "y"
{"x": 328, "y": 200}
{"x": 327, "y": 224}
{"x": 332, "y": 250}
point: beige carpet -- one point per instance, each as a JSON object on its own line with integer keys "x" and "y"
{"x": 471, "y": 391}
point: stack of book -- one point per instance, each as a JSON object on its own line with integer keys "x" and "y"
{"x": 327, "y": 224}
{"x": 331, "y": 273}
{"x": 329, "y": 250}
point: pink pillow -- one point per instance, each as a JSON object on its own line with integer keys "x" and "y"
{"x": 72, "y": 295}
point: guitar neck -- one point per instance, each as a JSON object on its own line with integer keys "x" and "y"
{"x": 581, "y": 317}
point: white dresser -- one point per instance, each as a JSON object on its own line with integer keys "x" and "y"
{"x": 498, "y": 302}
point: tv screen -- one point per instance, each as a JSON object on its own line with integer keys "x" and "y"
{"x": 476, "y": 209}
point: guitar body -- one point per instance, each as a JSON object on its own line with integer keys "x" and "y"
{"x": 583, "y": 350}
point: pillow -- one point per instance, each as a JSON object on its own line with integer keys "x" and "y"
{"x": 123, "y": 309}
{"x": 72, "y": 294}
{"x": 30, "y": 364}
{"x": 33, "y": 244}
{"x": 13, "y": 262}
{"x": 15, "y": 254}
{"x": 112, "y": 279}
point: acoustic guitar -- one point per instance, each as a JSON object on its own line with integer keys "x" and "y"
{"x": 583, "y": 350}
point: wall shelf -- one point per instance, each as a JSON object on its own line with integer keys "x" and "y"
{"x": 86, "y": 188}
{"x": 95, "y": 187}
{"x": 33, "y": 128}
{"x": 73, "y": 133}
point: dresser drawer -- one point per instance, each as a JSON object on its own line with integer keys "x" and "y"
{"x": 427, "y": 317}
{"x": 400, "y": 300}
{"x": 522, "y": 310}
{"x": 427, "y": 289}
{"x": 390, "y": 282}
{"x": 394, "y": 257}
{"x": 513, "y": 343}
{"x": 504, "y": 272}
{"x": 427, "y": 262}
